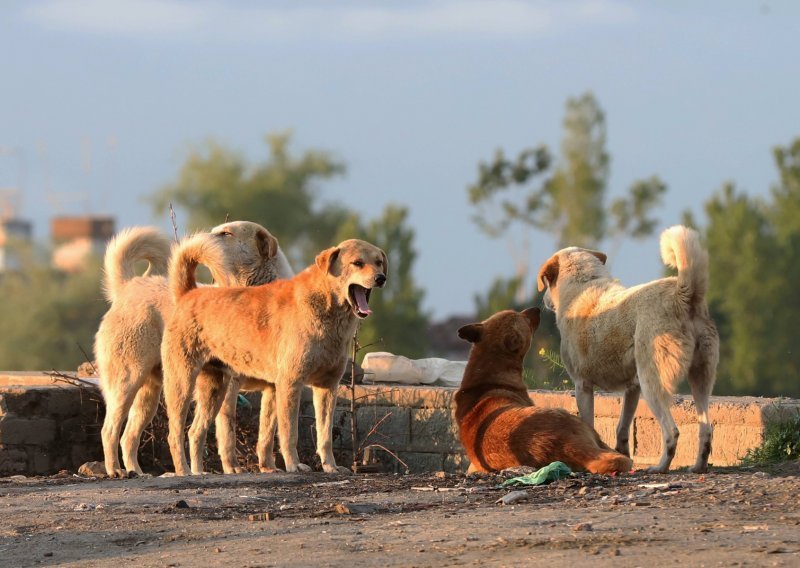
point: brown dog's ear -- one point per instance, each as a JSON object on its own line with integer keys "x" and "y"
{"x": 267, "y": 244}
{"x": 548, "y": 273}
{"x": 534, "y": 316}
{"x": 471, "y": 332}
{"x": 385, "y": 264}
{"x": 327, "y": 258}
{"x": 601, "y": 255}
{"x": 512, "y": 341}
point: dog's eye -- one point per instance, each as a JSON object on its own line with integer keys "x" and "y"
{"x": 358, "y": 263}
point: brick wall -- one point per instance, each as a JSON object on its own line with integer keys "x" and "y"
{"x": 45, "y": 427}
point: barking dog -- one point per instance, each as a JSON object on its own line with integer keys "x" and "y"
{"x": 499, "y": 426}
{"x": 643, "y": 339}
{"x": 290, "y": 332}
{"x": 128, "y": 341}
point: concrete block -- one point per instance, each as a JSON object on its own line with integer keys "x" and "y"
{"x": 42, "y": 463}
{"x": 434, "y": 429}
{"x": 456, "y": 463}
{"x": 13, "y": 460}
{"x": 35, "y": 431}
{"x": 421, "y": 462}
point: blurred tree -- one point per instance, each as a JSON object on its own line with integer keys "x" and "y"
{"x": 571, "y": 202}
{"x": 397, "y": 324}
{"x": 754, "y": 250}
{"x": 48, "y": 316}
{"x": 215, "y": 183}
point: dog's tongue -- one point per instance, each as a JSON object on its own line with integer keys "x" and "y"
{"x": 360, "y": 295}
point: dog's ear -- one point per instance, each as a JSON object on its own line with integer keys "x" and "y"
{"x": 512, "y": 340}
{"x": 471, "y": 332}
{"x": 385, "y": 264}
{"x": 548, "y": 273}
{"x": 534, "y": 317}
{"x": 327, "y": 258}
{"x": 267, "y": 244}
{"x": 601, "y": 255}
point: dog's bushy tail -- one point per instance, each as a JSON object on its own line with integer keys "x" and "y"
{"x": 608, "y": 462}
{"x": 681, "y": 249}
{"x": 201, "y": 248}
{"x": 128, "y": 247}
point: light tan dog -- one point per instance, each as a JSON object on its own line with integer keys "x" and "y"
{"x": 643, "y": 339}
{"x": 128, "y": 341}
{"x": 290, "y": 332}
{"x": 497, "y": 423}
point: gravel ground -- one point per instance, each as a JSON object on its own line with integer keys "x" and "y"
{"x": 731, "y": 517}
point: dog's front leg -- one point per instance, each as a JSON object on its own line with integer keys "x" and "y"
{"x": 324, "y": 407}
{"x": 630, "y": 401}
{"x": 287, "y": 398}
{"x": 584, "y": 397}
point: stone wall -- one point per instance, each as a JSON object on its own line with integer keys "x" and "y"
{"x": 47, "y": 426}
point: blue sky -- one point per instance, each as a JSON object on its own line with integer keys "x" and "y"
{"x": 100, "y": 99}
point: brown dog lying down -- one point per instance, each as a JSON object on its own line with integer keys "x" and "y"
{"x": 128, "y": 341}
{"x": 291, "y": 333}
{"x": 498, "y": 424}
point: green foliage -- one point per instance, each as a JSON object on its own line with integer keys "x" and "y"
{"x": 281, "y": 193}
{"x": 781, "y": 443}
{"x": 48, "y": 316}
{"x": 754, "y": 256}
{"x": 570, "y": 202}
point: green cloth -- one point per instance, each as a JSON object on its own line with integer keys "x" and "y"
{"x": 552, "y": 472}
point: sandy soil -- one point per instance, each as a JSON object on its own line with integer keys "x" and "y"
{"x": 738, "y": 517}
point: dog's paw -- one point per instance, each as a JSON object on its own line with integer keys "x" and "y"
{"x": 337, "y": 469}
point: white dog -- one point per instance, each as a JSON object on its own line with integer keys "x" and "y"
{"x": 643, "y": 339}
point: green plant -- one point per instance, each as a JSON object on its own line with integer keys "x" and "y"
{"x": 781, "y": 443}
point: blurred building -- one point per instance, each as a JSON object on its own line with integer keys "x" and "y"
{"x": 12, "y": 229}
{"x": 76, "y": 238}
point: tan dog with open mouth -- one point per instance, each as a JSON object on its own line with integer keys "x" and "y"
{"x": 128, "y": 341}
{"x": 643, "y": 339}
{"x": 290, "y": 332}
{"x": 498, "y": 425}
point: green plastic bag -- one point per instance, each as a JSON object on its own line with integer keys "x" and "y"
{"x": 551, "y": 472}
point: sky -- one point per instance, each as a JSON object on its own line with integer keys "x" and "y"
{"x": 100, "y": 101}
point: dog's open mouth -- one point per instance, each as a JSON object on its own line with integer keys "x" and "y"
{"x": 359, "y": 300}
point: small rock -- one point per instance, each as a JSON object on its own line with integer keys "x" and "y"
{"x": 513, "y": 497}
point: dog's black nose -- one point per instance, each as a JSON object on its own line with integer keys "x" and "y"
{"x": 380, "y": 280}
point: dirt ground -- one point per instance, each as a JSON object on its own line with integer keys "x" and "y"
{"x": 735, "y": 517}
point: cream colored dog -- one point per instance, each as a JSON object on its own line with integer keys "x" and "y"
{"x": 644, "y": 339}
{"x": 128, "y": 341}
{"x": 290, "y": 332}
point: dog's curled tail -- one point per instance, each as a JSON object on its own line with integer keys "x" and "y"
{"x": 608, "y": 462}
{"x": 128, "y": 247}
{"x": 681, "y": 249}
{"x": 200, "y": 248}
